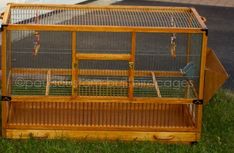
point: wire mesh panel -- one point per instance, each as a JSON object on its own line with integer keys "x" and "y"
{"x": 33, "y": 60}
{"x": 129, "y": 16}
{"x": 103, "y": 42}
{"x": 156, "y": 53}
{"x": 103, "y": 78}
{"x": 33, "y": 69}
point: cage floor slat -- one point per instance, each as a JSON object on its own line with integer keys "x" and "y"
{"x": 100, "y": 115}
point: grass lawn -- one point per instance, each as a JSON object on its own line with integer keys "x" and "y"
{"x": 217, "y": 137}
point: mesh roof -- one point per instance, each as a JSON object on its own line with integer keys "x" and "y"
{"x": 105, "y": 16}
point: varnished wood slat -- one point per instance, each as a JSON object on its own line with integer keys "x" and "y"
{"x": 202, "y": 66}
{"x": 188, "y": 115}
{"x": 132, "y": 67}
{"x": 96, "y": 72}
{"x": 122, "y": 57}
{"x": 102, "y": 28}
{"x": 74, "y": 66}
{"x": 111, "y": 135}
{"x": 199, "y": 120}
{"x": 97, "y": 99}
{"x": 119, "y": 7}
{"x": 83, "y": 106}
{"x": 99, "y": 128}
{"x": 4, "y": 81}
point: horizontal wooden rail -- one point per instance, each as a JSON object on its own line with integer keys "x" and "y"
{"x": 101, "y": 128}
{"x": 104, "y": 99}
{"x": 123, "y": 57}
{"x": 67, "y": 6}
{"x": 96, "y": 72}
{"x": 102, "y": 28}
{"x": 181, "y": 137}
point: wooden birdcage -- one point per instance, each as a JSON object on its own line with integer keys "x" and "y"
{"x": 116, "y": 72}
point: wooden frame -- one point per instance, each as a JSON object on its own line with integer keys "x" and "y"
{"x": 131, "y": 67}
{"x": 102, "y": 29}
{"x": 181, "y": 134}
{"x": 4, "y": 82}
{"x": 98, "y": 72}
{"x": 74, "y": 66}
{"x": 81, "y": 56}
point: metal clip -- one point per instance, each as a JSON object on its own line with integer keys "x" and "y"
{"x": 131, "y": 65}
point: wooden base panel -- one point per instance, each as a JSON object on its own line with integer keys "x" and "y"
{"x": 103, "y": 135}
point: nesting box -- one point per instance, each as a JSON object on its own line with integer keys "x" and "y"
{"x": 116, "y": 72}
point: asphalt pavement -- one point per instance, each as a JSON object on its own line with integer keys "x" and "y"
{"x": 220, "y": 22}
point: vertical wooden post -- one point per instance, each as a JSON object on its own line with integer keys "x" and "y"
{"x": 201, "y": 85}
{"x": 132, "y": 67}
{"x": 203, "y": 64}
{"x": 9, "y": 81}
{"x": 4, "y": 81}
{"x": 74, "y": 66}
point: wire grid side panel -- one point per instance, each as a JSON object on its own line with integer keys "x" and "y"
{"x": 183, "y": 18}
{"x": 103, "y": 78}
{"x": 195, "y": 57}
{"x": 104, "y": 42}
{"x": 36, "y": 65}
{"x": 169, "y": 87}
{"x": 108, "y": 115}
{"x": 153, "y": 53}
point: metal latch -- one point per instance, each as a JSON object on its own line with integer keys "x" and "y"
{"x": 198, "y": 102}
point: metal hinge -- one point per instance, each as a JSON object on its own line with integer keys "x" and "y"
{"x": 198, "y": 102}
{"x": 5, "y": 98}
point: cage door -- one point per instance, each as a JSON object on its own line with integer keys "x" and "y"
{"x": 215, "y": 75}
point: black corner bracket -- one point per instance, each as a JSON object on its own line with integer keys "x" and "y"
{"x": 5, "y": 98}
{"x": 206, "y": 30}
{"x": 2, "y": 27}
{"x": 198, "y": 102}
